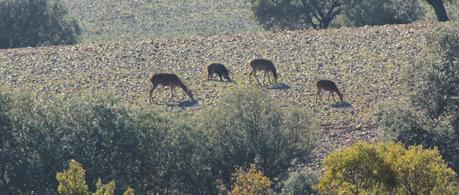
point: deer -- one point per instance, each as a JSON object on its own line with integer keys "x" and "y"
{"x": 169, "y": 80}
{"x": 216, "y": 68}
{"x": 262, "y": 65}
{"x": 330, "y": 86}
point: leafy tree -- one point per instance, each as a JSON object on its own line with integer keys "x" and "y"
{"x": 295, "y": 14}
{"x": 251, "y": 181}
{"x": 36, "y": 22}
{"x": 379, "y": 12}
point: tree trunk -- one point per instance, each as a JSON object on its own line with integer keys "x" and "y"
{"x": 440, "y": 10}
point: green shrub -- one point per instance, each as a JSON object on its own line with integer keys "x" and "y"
{"x": 19, "y": 164}
{"x": 250, "y": 181}
{"x": 135, "y": 146}
{"x": 72, "y": 180}
{"x": 300, "y": 182}
{"x": 357, "y": 169}
{"x": 430, "y": 116}
{"x": 387, "y": 168}
{"x": 247, "y": 127}
{"x": 423, "y": 172}
{"x": 36, "y": 22}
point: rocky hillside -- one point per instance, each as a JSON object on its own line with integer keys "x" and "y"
{"x": 365, "y": 63}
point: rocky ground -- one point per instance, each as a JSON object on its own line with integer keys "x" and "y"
{"x": 366, "y": 64}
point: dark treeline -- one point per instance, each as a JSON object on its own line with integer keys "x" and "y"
{"x": 141, "y": 148}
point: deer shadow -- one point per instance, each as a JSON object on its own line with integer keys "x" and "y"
{"x": 222, "y": 81}
{"x": 281, "y": 86}
{"x": 184, "y": 104}
{"x": 342, "y": 104}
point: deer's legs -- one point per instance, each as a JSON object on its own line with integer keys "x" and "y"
{"x": 220, "y": 75}
{"x": 318, "y": 94}
{"x": 172, "y": 91}
{"x": 151, "y": 93}
{"x": 333, "y": 95}
{"x": 209, "y": 76}
{"x": 264, "y": 77}
{"x": 254, "y": 73}
{"x": 269, "y": 79}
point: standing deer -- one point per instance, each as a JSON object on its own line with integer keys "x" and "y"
{"x": 170, "y": 80}
{"x": 262, "y": 65}
{"x": 219, "y": 69}
{"x": 330, "y": 86}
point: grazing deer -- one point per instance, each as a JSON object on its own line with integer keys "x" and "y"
{"x": 219, "y": 69}
{"x": 330, "y": 86}
{"x": 262, "y": 65}
{"x": 170, "y": 80}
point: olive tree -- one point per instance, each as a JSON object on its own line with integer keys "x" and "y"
{"x": 296, "y": 14}
{"x": 33, "y": 23}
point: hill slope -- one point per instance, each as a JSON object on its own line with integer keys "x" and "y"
{"x": 133, "y": 19}
{"x": 365, "y": 63}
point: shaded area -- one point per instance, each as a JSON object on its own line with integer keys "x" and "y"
{"x": 184, "y": 104}
{"x": 342, "y": 104}
{"x": 279, "y": 86}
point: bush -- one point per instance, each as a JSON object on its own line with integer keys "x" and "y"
{"x": 379, "y": 12}
{"x": 357, "y": 169}
{"x": 300, "y": 182}
{"x": 135, "y": 146}
{"x": 72, "y": 181}
{"x": 251, "y": 181}
{"x": 431, "y": 115}
{"x": 247, "y": 127}
{"x": 386, "y": 168}
{"x": 422, "y": 172}
{"x": 36, "y": 22}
